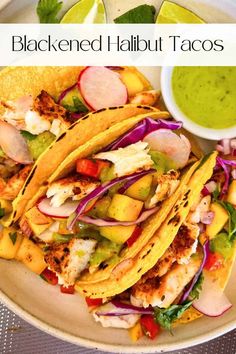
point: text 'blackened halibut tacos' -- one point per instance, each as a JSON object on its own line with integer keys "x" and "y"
{"x": 37, "y": 106}
{"x": 109, "y": 196}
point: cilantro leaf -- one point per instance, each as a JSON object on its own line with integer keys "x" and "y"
{"x": 13, "y": 237}
{"x": 216, "y": 193}
{"x": 195, "y": 293}
{"x": 47, "y": 10}
{"x": 78, "y": 106}
{"x": 140, "y": 14}
{"x": 2, "y": 212}
{"x": 232, "y": 219}
{"x": 165, "y": 317}
{"x": 27, "y": 135}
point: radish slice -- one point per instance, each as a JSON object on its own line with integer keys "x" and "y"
{"x": 62, "y": 212}
{"x": 212, "y": 301}
{"x": 101, "y": 87}
{"x": 13, "y": 144}
{"x": 176, "y": 147}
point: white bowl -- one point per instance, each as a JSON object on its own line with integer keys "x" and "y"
{"x": 199, "y": 130}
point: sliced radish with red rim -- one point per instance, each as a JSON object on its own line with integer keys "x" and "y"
{"x": 13, "y": 144}
{"x": 102, "y": 87}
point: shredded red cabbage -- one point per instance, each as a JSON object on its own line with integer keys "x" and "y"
{"x": 101, "y": 222}
{"x": 130, "y": 182}
{"x": 122, "y": 309}
{"x": 76, "y": 116}
{"x": 100, "y": 190}
{"x": 65, "y": 92}
{"x": 142, "y": 129}
{"x": 226, "y": 165}
{"x": 189, "y": 288}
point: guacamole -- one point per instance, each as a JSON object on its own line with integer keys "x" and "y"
{"x": 206, "y": 95}
{"x": 37, "y": 144}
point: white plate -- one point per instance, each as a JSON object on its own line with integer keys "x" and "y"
{"x": 66, "y": 316}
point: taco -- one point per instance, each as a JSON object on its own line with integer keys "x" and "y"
{"x": 106, "y": 200}
{"x": 44, "y": 116}
{"x": 184, "y": 267}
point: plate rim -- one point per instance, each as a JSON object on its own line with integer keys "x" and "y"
{"x": 93, "y": 344}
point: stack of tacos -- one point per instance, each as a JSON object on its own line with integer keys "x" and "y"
{"x": 119, "y": 208}
{"x": 44, "y": 117}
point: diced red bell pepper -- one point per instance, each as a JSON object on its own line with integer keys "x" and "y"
{"x": 68, "y": 289}
{"x": 150, "y": 327}
{"x": 91, "y": 168}
{"x": 93, "y": 302}
{"x": 214, "y": 261}
{"x": 49, "y": 276}
{"x": 135, "y": 235}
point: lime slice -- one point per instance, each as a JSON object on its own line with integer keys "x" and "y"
{"x": 86, "y": 11}
{"x": 173, "y": 13}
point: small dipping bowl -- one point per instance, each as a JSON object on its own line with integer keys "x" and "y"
{"x": 178, "y": 114}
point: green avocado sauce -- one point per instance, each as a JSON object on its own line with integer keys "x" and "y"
{"x": 206, "y": 95}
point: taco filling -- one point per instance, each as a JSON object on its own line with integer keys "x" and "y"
{"x": 28, "y": 125}
{"x": 95, "y": 215}
{"x": 27, "y": 128}
{"x": 188, "y": 280}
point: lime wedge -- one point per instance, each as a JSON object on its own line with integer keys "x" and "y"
{"x": 173, "y": 13}
{"x": 86, "y": 11}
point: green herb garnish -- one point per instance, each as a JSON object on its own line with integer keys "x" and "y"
{"x": 47, "y": 10}
{"x": 13, "y": 237}
{"x": 195, "y": 293}
{"x": 165, "y": 317}
{"x": 140, "y": 14}
{"x": 77, "y": 106}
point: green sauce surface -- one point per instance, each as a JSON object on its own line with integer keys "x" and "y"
{"x": 206, "y": 95}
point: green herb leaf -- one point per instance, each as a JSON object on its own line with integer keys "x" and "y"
{"x": 13, "y": 237}
{"x": 47, "y": 10}
{"x": 2, "y": 212}
{"x": 195, "y": 293}
{"x": 78, "y": 106}
{"x": 140, "y": 14}
{"x": 165, "y": 317}
{"x": 232, "y": 218}
{"x": 27, "y": 135}
{"x": 216, "y": 193}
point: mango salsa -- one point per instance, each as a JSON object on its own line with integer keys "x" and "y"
{"x": 10, "y": 241}
{"x": 140, "y": 189}
{"x": 117, "y": 234}
{"x": 124, "y": 208}
{"x": 220, "y": 218}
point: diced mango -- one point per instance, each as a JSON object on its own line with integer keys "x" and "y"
{"x": 117, "y": 234}
{"x": 31, "y": 255}
{"x": 220, "y": 218}
{"x": 10, "y": 241}
{"x": 124, "y": 208}
{"x": 231, "y": 197}
{"x": 136, "y": 332}
{"x": 37, "y": 221}
{"x": 132, "y": 82}
{"x": 140, "y": 189}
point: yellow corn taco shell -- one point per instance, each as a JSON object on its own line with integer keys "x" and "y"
{"x": 100, "y": 124}
{"x": 130, "y": 271}
{"x": 221, "y": 277}
{"x": 16, "y": 82}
